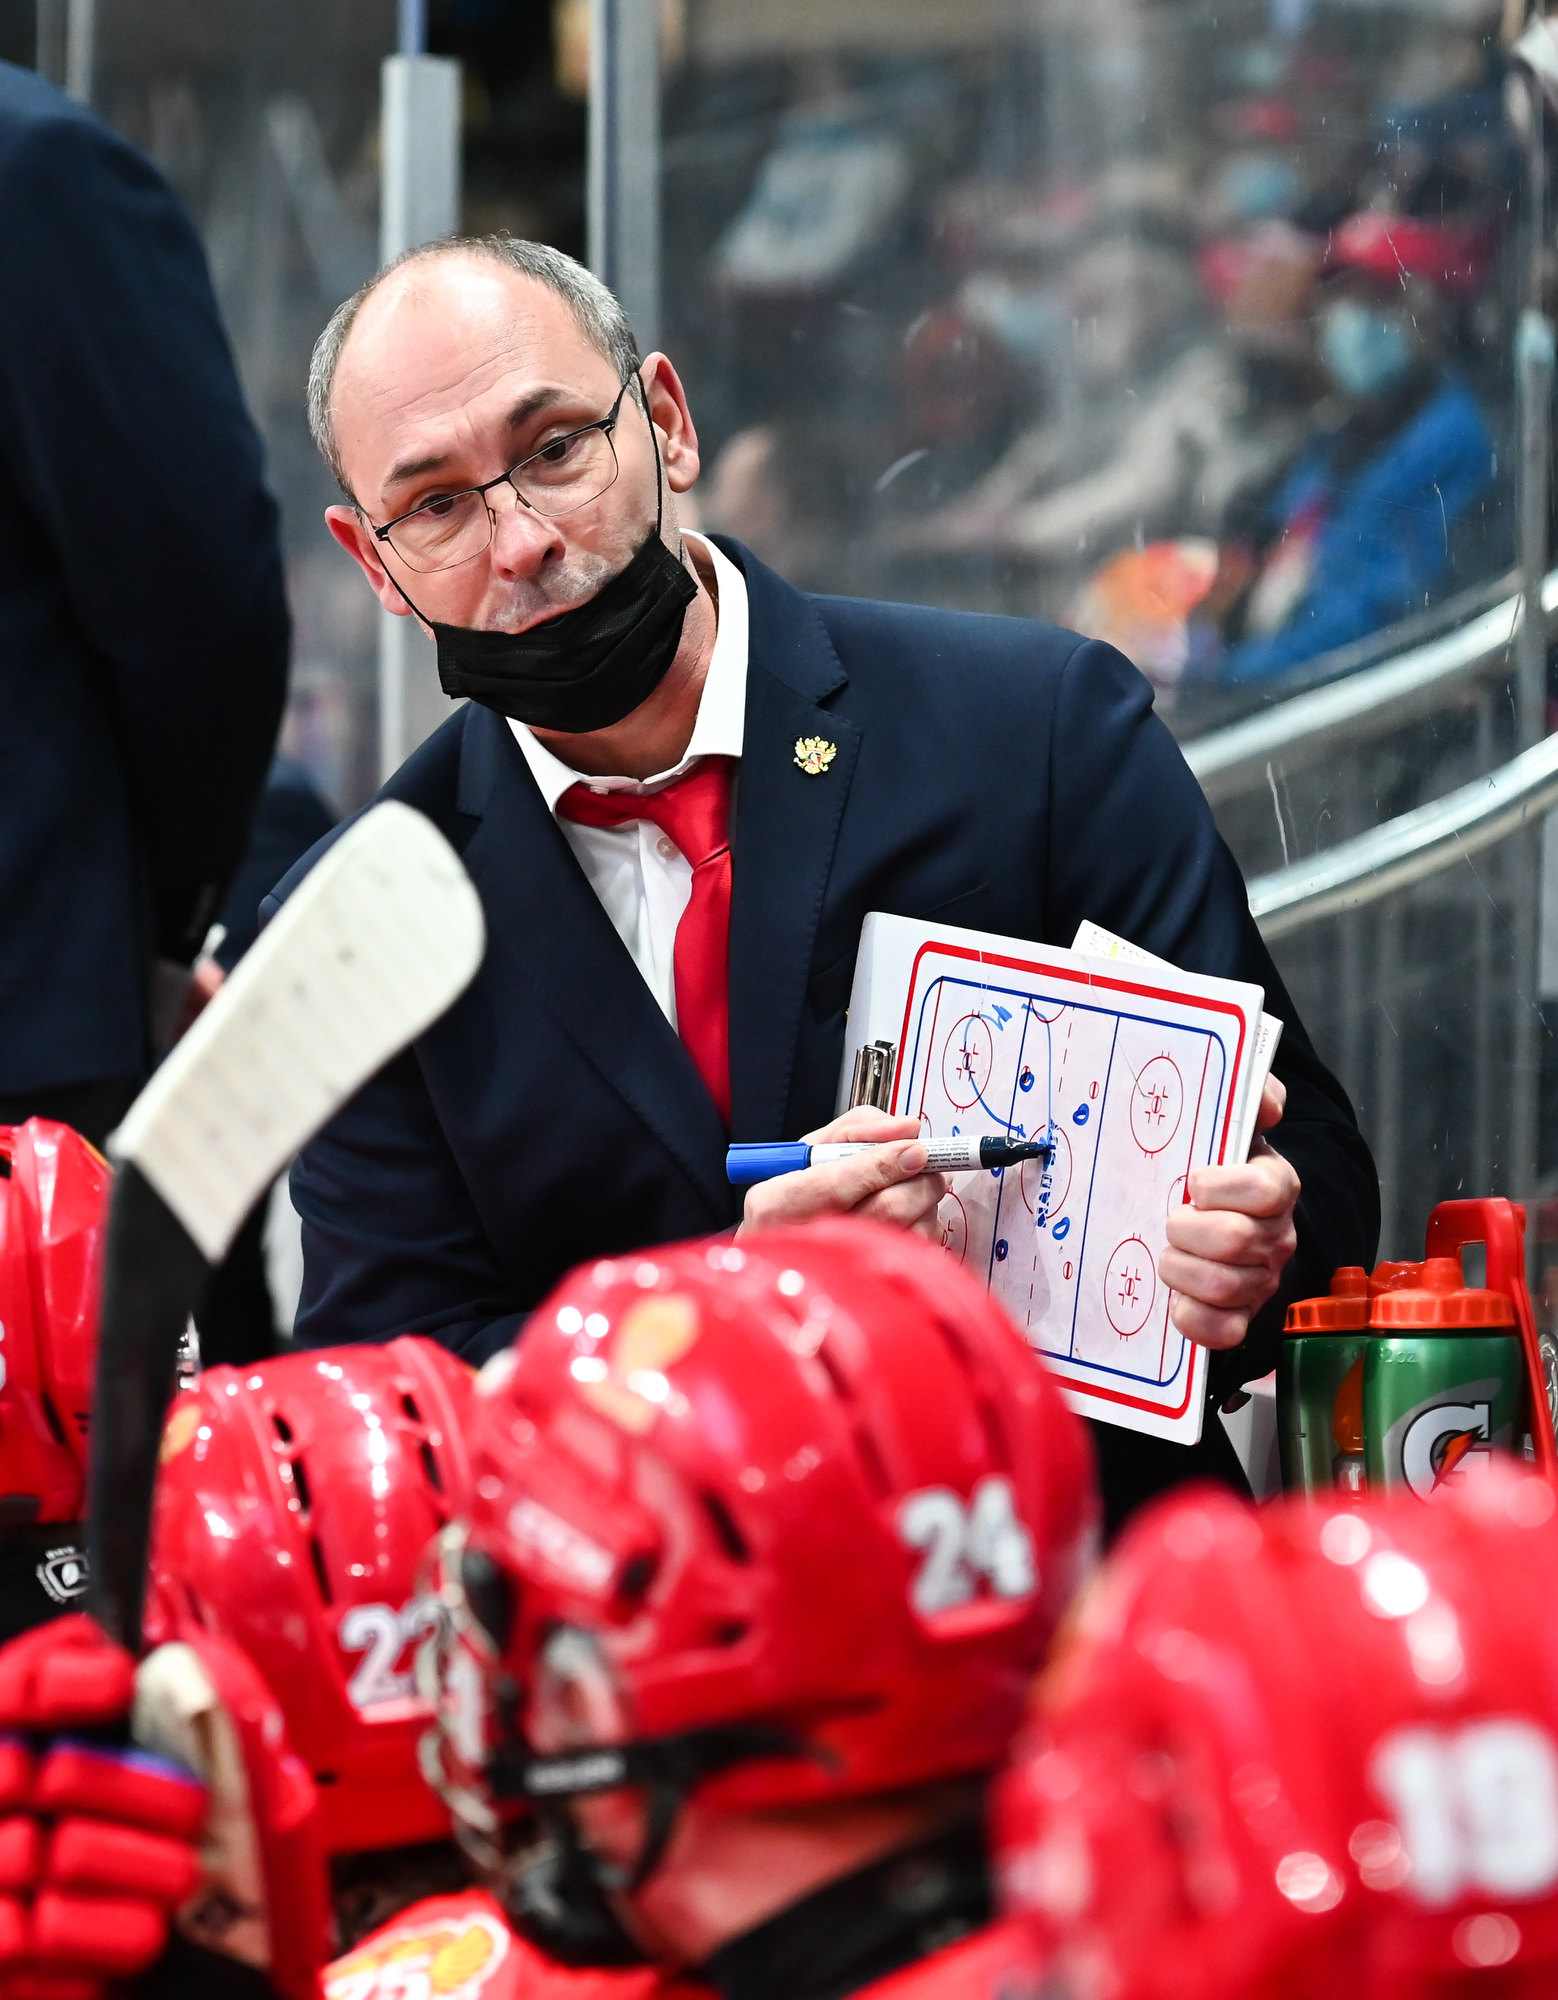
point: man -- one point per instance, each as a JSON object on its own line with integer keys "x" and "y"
{"x": 1301, "y": 1752}
{"x": 143, "y": 627}
{"x": 1369, "y": 522}
{"x": 679, "y": 788}
{"x": 765, "y": 1545}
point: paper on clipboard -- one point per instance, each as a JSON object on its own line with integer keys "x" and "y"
{"x": 1136, "y": 1072}
{"x": 1095, "y": 942}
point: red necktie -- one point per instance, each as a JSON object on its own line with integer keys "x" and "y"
{"x": 695, "y": 813}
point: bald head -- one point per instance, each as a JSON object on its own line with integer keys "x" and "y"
{"x": 470, "y": 283}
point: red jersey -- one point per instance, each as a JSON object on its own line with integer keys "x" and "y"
{"x": 460, "y": 1948}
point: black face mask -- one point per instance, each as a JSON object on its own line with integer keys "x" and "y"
{"x": 589, "y": 667}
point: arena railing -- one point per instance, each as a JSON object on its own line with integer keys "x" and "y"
{"x": 1411, "y": 847}
{"x": 1415, "y": 948}
{"x": 1367, "y": 704}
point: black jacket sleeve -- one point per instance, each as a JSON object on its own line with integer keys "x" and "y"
{"x": 122, "y": 424}
{"x": 1153, "y": 868}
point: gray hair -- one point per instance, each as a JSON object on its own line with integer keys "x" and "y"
{"x": 601, "y": 318}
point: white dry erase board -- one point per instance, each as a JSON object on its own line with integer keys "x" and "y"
{"x": 1136, "y": 1071}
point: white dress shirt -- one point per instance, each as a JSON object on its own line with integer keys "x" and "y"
{"x": 640, "y": 875}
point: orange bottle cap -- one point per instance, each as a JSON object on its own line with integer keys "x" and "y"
{"x": 1438, "y": 1300}
{"x": 1390, "y": 1277}
{"x": 1345, "y": 1309}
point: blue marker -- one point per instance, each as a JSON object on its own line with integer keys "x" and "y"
{"x": 746, "y": 1165}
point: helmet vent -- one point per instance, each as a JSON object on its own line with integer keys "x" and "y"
{"x": 871, "y": 1463}
{"x": 728, "y": 1535}
{"x": 300, "y": 1486}
{"x": 51, "y": 1417}
{"x": 985, "y": 1405}
{"x": 637, "y": 1575}
{"x": 317, "y": 1557}
{"x": 429, "y": 1459}
{"x": 281, "y": 1427}
{"x": 408, "y": 1403}
{"x": 995, "y": 1436}
{"x": 834, "y": 1373}
{"x": 5, "y": 1166}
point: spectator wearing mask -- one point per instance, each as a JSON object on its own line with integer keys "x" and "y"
{"x": 1362, "y": 529}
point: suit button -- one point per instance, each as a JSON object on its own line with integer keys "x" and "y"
{"x": 667, "y": 849}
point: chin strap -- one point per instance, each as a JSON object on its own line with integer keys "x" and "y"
{"x": 667, "y": 1767}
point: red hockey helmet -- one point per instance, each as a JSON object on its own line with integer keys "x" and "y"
{"x": 814, "y": 1499}
{"x": 53, "y": 1203}
{"x": 1308, "y": 1750}
{"x": 294, "y": 1504}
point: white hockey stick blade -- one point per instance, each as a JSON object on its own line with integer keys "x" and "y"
{"x": 374, "y": 944}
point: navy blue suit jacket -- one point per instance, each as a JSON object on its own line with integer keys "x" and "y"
{"x": 990, "y": 772}
{"x": 143, "y": 626}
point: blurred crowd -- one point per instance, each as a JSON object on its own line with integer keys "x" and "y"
{"x": 1194, "y": 338}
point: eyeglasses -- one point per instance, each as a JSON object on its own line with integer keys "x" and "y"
{"x": 564, "y": 475}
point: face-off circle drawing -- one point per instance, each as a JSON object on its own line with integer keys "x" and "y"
{"x": 1043, "y": 1204}
{"x": 1130, "y": 1286}
{"x": 966, "y": 1062}
{"x": 1157, "y": 1104}
{"x": 954, "y": 1227}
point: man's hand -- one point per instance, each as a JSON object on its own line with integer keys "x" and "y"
{"x": 1228, "y": 1245}
{"x": 97, "y": 1845}
{"x": 888, "y": 1184}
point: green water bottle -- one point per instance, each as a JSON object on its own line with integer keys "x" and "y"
{"x": 1319, "y": 1440}
{"x": 1320, "y": 1381}
{"x": 1444, "y": 1383}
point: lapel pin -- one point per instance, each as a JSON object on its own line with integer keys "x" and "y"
{"x": 814, "y": 754}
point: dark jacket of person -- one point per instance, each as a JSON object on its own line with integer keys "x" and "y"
{"x": 1385, "y": 504}
{"x": 989, "y": 772}
{"x": 143, "y": 624}
{"x": 290, "y": 817}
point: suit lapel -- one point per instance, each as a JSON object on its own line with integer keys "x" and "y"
{"x": 546, "y": 929}
{"x": 787, "y": 826}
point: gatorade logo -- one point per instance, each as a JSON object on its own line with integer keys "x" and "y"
{"x": 1445, "y": 1445}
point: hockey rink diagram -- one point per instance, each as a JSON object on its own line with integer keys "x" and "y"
{"x": 1131, "y": 1097}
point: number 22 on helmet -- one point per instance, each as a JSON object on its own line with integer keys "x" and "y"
{"x": 295, "y": 1502}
